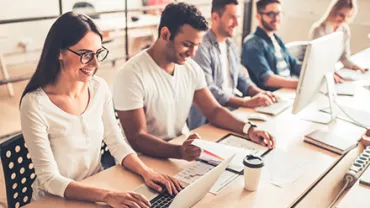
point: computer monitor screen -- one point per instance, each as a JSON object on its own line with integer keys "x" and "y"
{"x": 321, "y": 56}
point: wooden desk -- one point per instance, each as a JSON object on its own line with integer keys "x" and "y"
{"x": 289, "y": 131}
{"x": 357, "y": 196}
{"x": 362, "y": 59}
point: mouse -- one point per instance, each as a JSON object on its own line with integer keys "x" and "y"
{"x": 257, "y": 117}
{"x": 134, "y": 18}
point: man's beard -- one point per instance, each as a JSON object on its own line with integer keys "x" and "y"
{"x": 266, "y": 26}
{"x": 171, "y": 52}
{"x": 224, "y": 33}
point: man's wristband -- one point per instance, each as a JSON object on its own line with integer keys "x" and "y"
{"x": 247, "y": 126}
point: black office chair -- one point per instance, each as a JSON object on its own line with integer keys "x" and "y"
{"x": 107, "y": 160}
{"x": 86, "y": 8}
{"x": 19, "y": 172}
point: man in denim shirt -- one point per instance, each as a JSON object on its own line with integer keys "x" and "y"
{"x": 264, "y": 54}
{"x": 218, "y": 56}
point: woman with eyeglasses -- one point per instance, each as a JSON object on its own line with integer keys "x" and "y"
{"x": 336, "y": 18}
{"x": 66, "y": 113}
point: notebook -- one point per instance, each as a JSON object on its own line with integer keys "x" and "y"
{"x": 330, "y": 141}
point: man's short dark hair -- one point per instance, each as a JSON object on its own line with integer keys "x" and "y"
{"x": 261, "y": 4}
{"x": 176, "y": 15}
{"x": 218, "y": 6}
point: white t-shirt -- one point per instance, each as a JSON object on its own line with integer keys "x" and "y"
{"x": 65, "y": 147}
{"x": 166, "y": 98}
{"x": 281, "y": 64}
{"x": 227, "y": 85}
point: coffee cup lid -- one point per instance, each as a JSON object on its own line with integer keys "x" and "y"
{"x": 253, "y": 161}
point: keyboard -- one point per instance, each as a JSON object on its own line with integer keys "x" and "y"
{"x": 163, "y": 200}
{"x": 353, "y": 75}
{"x": 275, "y": 108}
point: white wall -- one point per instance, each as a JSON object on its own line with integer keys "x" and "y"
{"x": 15, "y": 9}
{"x": 34, "y": 33}
{"x": 298, "y": 18}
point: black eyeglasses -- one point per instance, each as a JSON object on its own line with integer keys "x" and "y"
{"x": 87, "y": 57}
{"x": 271, "y": 15}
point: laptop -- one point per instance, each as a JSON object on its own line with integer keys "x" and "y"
{"x": 190, "y": 195}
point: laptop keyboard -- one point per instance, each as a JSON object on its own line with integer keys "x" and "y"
{"x": 163, "y": 200}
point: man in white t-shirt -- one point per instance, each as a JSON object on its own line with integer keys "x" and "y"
{"x": 155, "y": 89}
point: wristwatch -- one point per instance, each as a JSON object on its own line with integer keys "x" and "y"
{"x": 247, "y": 126}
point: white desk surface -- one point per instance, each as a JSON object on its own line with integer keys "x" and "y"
{"x": 289, "y": 131}
{"x": 357, "y": 196}
{"x": 328, "y": 188}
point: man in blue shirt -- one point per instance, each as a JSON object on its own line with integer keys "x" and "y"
{"x": 218, "y": 56}
{"x": 264, "y": 54}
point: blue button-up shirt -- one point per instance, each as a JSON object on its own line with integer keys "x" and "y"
{"x": 208, "y": 58}
{"x": 258, "y": 56}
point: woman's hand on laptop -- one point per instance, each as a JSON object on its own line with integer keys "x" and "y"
{"x": 126, "y": 199}
{"x": 261, "y": 137}
{"x": 188, "y": 151}
{"x": 153, "y": 179}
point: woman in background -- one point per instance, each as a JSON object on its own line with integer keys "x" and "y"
{"x": 155, "y": 3}
{"x": 66, "y": 113}
{"x": 336, "y": 18}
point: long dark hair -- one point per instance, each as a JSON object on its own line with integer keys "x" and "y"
{"x": 66, "y": 31}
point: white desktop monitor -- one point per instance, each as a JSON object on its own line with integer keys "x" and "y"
{"x": 318, "y": 68}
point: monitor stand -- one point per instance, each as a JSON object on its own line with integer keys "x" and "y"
{"x": 317, "y": 116}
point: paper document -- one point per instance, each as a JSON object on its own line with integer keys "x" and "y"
{"x": 365, "y": 178}
{"x": 239, "y": 142}
{"x": 360, "y": 117}
{"x": 282, "y": 168}
{"x": 198, "y": 169}
{"x": 227, "y": 148}
{"x": 354, "y": 75}
{"x": 347, "y": 88}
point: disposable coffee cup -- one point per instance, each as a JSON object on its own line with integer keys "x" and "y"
{"x": 252, "y": 171}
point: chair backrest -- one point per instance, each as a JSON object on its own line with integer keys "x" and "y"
{"x": 86, "y": 8}
{"x": 297, "y": 49}
{"x": 107, "y": 160}
{"x": 19, "y": 173}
